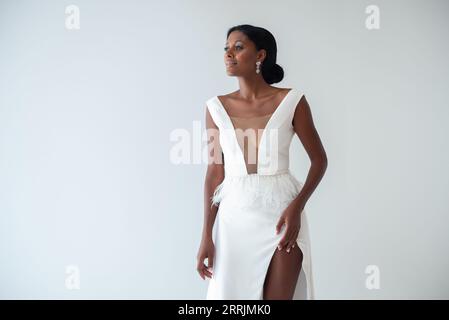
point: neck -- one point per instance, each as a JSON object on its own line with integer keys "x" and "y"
{"x": 254, "y": 87}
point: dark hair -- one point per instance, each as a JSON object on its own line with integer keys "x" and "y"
{"x": 263, "y": 39}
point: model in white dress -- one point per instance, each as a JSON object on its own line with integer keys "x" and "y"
{"x": 250, "y": 205}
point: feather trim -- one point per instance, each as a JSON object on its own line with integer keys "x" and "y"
{"x": 274, "y": 190}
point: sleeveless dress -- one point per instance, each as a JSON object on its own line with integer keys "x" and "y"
{"x": 250, "y": 200}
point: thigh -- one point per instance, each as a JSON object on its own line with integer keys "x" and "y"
{"x": 282, "y": 274}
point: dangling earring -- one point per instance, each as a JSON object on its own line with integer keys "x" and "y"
{"x": 258, "y": 66}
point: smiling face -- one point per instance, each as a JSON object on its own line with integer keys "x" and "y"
{"x": 241, "y": 55}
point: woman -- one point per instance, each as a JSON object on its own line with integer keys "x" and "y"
{"x": 261, "y": 238}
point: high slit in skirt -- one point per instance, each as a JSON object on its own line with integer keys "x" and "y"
{"x": 245, "y": 238}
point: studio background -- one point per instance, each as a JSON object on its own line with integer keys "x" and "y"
{"x": 88, "y": 186}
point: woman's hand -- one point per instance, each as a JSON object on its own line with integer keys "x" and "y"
{"x": 206, "y": 250}
{"x": 291, "y": 217}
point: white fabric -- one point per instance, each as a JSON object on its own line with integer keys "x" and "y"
{"x": 249, "y": 206}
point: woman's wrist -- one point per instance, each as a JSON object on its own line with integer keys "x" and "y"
{"x": 207, "y": 235}
{"x": 298, "y": 204}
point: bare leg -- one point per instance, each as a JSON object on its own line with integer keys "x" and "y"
{"x": 282, "y": 274}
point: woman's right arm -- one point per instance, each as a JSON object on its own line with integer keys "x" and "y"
{"x": 214, "y": 176}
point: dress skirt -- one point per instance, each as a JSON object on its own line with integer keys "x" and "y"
{"x": 245, "y": 235}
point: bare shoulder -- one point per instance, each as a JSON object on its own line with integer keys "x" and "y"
{"x": 282, "y": 92}
{"x": 302, "y": 112}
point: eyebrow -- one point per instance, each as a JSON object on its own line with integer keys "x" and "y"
{"x": 236, "y": 41}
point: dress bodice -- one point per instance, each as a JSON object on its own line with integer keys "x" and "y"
{"x": 267, "y": 151}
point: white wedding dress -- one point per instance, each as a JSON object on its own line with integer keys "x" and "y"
{"x": 250, "y": 204}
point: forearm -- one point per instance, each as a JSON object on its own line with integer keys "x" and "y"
{"x": 316, "y": 173}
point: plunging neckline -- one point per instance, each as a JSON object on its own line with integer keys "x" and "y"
{"x": 262, "y": 137}
{"x": 257, "y": 117}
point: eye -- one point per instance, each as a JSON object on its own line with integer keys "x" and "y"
{"x": 237, "y": 46}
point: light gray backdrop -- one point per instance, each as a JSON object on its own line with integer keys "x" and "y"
{"x": 92, "y": 204}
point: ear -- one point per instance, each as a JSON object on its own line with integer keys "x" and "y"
{"x": 261, "y": 54}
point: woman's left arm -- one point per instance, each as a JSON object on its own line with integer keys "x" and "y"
{"x": 291, "y": 217}
{"x": 307, "y": 133}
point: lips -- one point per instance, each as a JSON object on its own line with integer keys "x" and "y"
{"x": 230, "y": 63}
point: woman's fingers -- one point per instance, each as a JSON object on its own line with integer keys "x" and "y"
{"x": 279, "y": 225}
{"x": 284, "y": 241}
{"x": 204, "y": 272}
{"x": 290, "y": 245}
{"x": 288, "y": 239}
{"x": 207, "y": 273}
{"x": 199, "y": 269}
{"x": 202, "y": 269}
{"x": 292, "y": 242}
